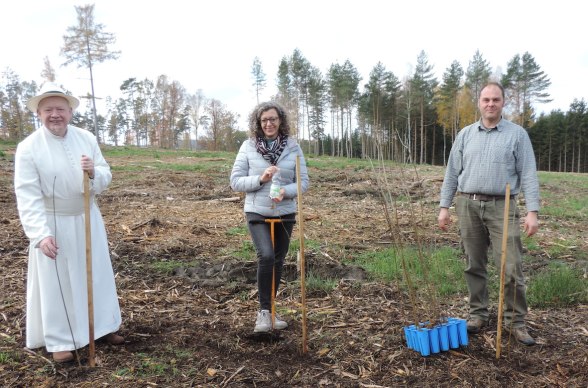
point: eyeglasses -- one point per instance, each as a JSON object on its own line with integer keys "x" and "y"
{"x": 272, "y": 120}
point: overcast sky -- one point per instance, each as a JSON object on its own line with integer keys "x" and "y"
{"x": 211, "y": 45}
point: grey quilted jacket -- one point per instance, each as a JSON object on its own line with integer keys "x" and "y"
{"x": 250, "y": 165}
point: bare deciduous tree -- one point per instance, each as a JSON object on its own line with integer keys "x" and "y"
{"x": 48, "y": 72}
{"x": 86, "y": 45}
{"x": 196, "y": 102}
{"x": 259, "y": 79}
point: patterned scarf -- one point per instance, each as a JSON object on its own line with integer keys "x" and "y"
{"x": 271, "y": 154}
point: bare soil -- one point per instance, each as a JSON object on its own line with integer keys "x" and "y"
{"x": 193, "y": 325}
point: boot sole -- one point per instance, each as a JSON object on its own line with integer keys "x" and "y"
{"x": 64, "y": 359}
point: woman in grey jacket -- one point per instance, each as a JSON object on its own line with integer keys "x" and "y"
{"x": 269, "y": 153}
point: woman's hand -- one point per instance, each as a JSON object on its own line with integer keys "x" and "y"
{"x": 280, "y": 197}
{"x": 268, "y": 174}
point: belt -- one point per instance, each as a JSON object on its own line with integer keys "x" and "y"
{"x": 484, "y": 197}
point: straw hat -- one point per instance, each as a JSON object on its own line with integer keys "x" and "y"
{"x": 51, "y": 89}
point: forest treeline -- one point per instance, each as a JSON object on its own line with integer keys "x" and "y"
{"x": 414, "y": 119}
{"x": 411, "y": 118}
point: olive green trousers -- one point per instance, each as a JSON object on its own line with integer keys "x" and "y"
{"x": 481, "y": 228}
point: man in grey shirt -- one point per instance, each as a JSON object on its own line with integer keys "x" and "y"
{"x": 485, "y": 157}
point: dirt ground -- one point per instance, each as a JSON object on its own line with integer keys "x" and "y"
{"x": 193, "y": 326}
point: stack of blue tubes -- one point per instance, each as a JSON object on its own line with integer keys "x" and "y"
{"x": 440, "y": 338}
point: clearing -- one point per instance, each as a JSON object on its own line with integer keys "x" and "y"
{"x": 188, "y": 297}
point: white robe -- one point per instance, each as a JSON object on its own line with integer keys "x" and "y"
{"x": 48, "y": 174}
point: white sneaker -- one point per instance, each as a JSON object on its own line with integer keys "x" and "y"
{"x": 263, "y": 323}
{"x": 278, "y": 323}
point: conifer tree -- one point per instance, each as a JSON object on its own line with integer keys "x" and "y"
{"x": 525, "y": 84}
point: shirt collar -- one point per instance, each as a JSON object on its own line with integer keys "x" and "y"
{"x": 498, "y": 127}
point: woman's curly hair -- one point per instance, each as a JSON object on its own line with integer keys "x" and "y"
{"x": 255, "y": 129}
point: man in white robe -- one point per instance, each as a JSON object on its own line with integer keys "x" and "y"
{"x": 48, "y": 181}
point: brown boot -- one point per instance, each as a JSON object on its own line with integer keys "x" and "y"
{"x": 522, "y": 335}
{"x": 474, "y": 325}
{"x": 65, "y": 356}
{"x": 114, "y": 339}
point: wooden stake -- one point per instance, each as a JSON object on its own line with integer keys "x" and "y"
{"x": 90, "y": 287}
{"x": 302, "y": 264}
{"x": 502, "y": 268}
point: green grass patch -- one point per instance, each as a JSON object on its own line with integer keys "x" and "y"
{"x": 315, "y": 283}
{"x": 557, "y": 286}
{"x": 563, "y": 179}
{"x": 122, "y": 372}
{"x": 243, "y": 295}
{"x": 329, "y": 163}
{"x": 564, "y": 247}
{"x": 149, "y": 367}
{"x": 220, "y": 166}
{"x": 564, "y": 195}
{"x": 309, "y": 245}
{"x": 167, "y": 267}
{"x": 6, "y": 358}
{"x": 6, "y": 144}
{"x": 45, "y": 370}
{"x": 246, "y": 252}
{"x": 238, "y": 231}
{"x": 184, "y": 167}
{"x": 140, "y": 159}
{"x": 158, "y": 153}
{"x": 182, "y": 354}
{"x": 566, "y": 207}
{"x": 440, "y": 268}
{"x": 129, "y": 167}
{"x": 530, "y": 242}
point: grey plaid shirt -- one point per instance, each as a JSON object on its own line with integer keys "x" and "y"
{"x": 483, "y": 161}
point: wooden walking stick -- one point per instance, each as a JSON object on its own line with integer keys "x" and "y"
{"x": 91, "y": 356}
{"x": 502, "y": 268}
{"x": 302, "y": 264}
{"x": 272, "y": 222}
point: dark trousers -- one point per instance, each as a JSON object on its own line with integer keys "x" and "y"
{"x": 269, "y": 256}
{"x": 481, "y": 226}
